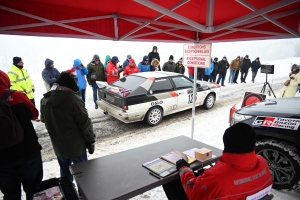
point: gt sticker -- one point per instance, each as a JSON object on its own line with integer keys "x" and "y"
{"x": 156, "y": 103}
{"x": 173, "y": 107}
{"x": 277, "y": 122}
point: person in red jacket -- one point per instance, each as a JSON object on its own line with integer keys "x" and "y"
{"x": 131, "y": 68}
{"x": 20, "y": 163}
{"x": 191, "y": 72}
{"x": 112, "y": 71}
{"x": 239, "y": 173}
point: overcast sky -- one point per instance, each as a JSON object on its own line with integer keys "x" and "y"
{"x": 34, "y": 50}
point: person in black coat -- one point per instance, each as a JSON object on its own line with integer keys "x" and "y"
{"x": 214, "y": 73}
{"x": 223, "y": 66}
{"x": 153, "y": 54}
{"x": 255, "y": 65}
{"x": 245, "y": 68}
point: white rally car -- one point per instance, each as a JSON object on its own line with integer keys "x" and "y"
{"x": 151, "y": 95}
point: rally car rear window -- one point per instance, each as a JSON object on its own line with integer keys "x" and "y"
{"x": 130, "y": 82}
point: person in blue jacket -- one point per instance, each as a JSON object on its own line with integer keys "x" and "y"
{"x": 208, "y": 71}
{"x": 81, "y": 71}
{"x": 144, "y": 66}
{"x": 50, "y": 74}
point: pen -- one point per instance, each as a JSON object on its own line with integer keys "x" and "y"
{"x": 154, "y": 175}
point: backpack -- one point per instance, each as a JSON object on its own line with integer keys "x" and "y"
{"x": 11, "y": 130}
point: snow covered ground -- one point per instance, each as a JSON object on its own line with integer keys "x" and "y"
{"x": 114, "y": 136}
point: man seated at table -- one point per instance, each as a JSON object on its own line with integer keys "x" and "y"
{"x": 238, "y": 173}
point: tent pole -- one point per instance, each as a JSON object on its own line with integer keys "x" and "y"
{"x": 194, "y": 100}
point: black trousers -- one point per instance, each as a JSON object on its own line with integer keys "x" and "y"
{"x": 174, "y": 190}
{"x": 236, "y": 76}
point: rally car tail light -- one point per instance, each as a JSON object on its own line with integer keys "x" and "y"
{"x": 232, "y": 111}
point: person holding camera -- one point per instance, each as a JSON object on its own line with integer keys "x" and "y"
{"x": 291, "y": 85}
{"x": 68, "y": 123}
{"x": 95, "y": 73}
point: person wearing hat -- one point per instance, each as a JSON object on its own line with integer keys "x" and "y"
{"x": 49, "y": 74}
{"x": 223, "y": 66}
{"x": 81, "y": 72}
{"x": 144, "y": 66}
{"x": 126, "y": 62}
{"x": 95, "y": 73}
{"x": 170, "y": 65}
{"x": 112, "y": 71}
{"x": 68, "y": 123}
{"x": 214, "y": 73}
{"x": 179, "y": 67}
{"x": 153, "y": 54}
{"x": 245, "y": 68}
{"x": 20, "y": 79}
{"x": 20, "y": 163}
{"x": 239, "y": 172}
{"x": 131, "y": 68}
{"x": 255, "y": 65}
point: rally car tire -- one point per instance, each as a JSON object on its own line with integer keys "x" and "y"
{"x": 284, "y": 163}
{"x": 209, "y": 101}
{"x": 154, "y": 116}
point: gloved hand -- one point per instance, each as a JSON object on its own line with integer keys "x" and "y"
{"x": 91, "y": 147}
{"x": 33, "y": 90}
{"x": 181, "y": 163}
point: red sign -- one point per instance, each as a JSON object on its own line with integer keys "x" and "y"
{"x": 197, "y": 55}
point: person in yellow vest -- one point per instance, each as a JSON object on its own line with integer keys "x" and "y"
{"x": 20, "y": 79}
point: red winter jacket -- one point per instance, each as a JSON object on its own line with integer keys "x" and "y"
{"x": 234, "y": 177}
{"x": 24, "y": 111}
{"x": 112, "y": 72}
{"x": 131, "y": 70}
{"x": 190, "y": 70}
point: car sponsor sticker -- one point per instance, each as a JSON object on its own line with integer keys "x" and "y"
{"x": 154, "y": 103}
{"x": 277, "y": 122}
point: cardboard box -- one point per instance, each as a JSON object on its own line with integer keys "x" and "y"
{"x": 203, "y": 154}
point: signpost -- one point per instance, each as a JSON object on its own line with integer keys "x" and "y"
{"x": 196, "y": 55}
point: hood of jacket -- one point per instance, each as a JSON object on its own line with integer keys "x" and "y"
{"x": 155, "y": 47}
{"x": 155, "y": 62}
{"x": 56, "y": 95}
{"x": 242, "y": 161}
{"x": 4, "y": 81}
{"x": 77, "y": 62}
{"x": 144, "y": 59}
{"x": 48, "y": 63}
{"x": 107, "y": 58}
{"x": 95, "y": 57}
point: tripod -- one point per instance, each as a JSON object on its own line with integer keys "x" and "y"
{"x": 265, "y": 85}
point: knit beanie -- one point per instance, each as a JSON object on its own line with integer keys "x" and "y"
{"x": 171, "y": 57}
{"x": 239, "y": 138}
{"x": 65, "y": 79}
{"x": 180, "y": 60}
{"x": 16, "y": 60}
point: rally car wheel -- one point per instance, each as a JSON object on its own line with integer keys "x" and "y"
{"x": 209, "y": 101}
{"x": 154, "y": 116}
{"x": 284, "y": 162}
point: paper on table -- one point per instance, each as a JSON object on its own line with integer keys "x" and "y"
{"x": 174, "y": 156}
{"x": 191, "y": 153}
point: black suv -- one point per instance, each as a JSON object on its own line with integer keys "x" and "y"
{"x": 276, "y": 123}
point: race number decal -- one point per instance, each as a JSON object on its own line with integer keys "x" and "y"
{"x": 277, "y": 122}
{"x": 156, "y": 103}
{"x": 191, "y": 98}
